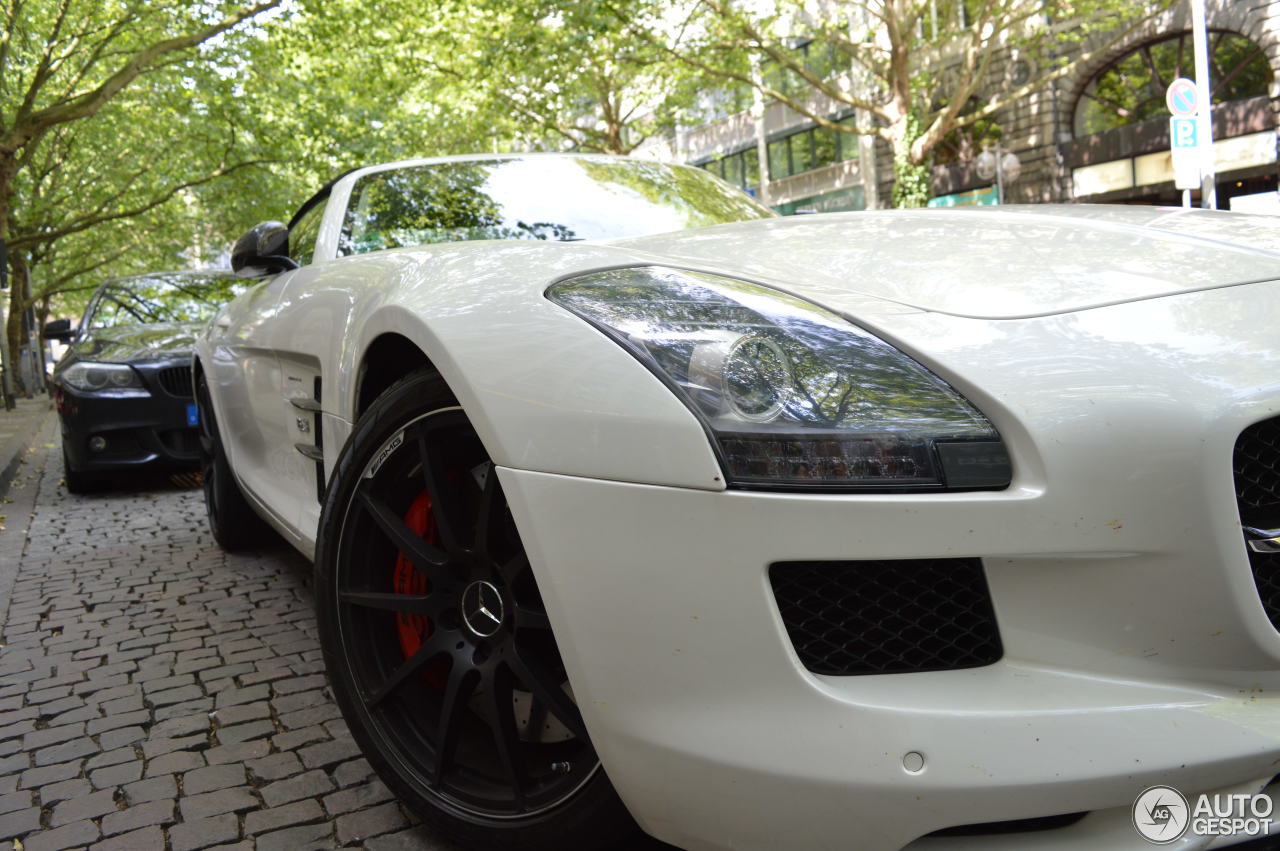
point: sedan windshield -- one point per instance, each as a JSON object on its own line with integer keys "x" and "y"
{"x": 163, "y": 298}
{"x": 545, "y": 198}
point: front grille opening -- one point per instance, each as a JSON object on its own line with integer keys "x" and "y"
{"x": 181, "y": 442}
{"x": 123, "y": 443}
{"x": 1022, "y": 825}
{"x": 1266, "y": 576}
{"x": 1256, "y": 465}
{"x": 176, "y": 381}
{"x": 887, "y": 617}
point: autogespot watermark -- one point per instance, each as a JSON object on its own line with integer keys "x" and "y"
{"x": 1162, "y": 815}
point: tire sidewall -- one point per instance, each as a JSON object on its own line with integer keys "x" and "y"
{"x": 595, "y": 808}
{"x": 232, "y": 520}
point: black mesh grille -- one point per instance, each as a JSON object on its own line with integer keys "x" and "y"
{"x": 1266, "y": 575}
{"x": 1256, "y": 463}
{"x": 1257, "y": 468}
{"x": 176, "y": 380}
{"x": 887, "y": 617}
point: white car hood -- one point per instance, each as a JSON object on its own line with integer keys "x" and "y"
{"x": 988, "y": 263}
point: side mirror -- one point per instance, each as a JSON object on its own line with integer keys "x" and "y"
{"x": 58, "y": 329}
{"x": 264, "y": 250}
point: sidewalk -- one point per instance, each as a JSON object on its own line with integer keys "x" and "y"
{"x": 17, "y": 429}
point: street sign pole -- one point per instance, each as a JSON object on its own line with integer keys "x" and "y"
{"x": 1182, "y": 98}
{"x": 999, "y": 177}
{"x": 1204, "y": 129}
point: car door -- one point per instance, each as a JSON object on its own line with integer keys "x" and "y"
{"x": 295, "y": 410}
{"x": 245, "y": 377}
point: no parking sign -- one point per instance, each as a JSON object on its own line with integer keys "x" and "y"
{"x": 1181, "y": 98}
{"x": 1184, "y": 141}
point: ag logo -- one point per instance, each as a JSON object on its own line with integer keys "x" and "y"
{"x": 1161, "y": 815}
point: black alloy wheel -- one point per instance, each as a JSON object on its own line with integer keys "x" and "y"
{"x": 437, "y": 642}
{"x": 234, "y": 523}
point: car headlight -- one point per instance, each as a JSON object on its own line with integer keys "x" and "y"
{"x": 792, "y": 394}
{"x": 86, "y": 375}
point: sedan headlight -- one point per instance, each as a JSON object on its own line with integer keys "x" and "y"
{"x": 86, "y": 375}
{"x": 792, "y": 394}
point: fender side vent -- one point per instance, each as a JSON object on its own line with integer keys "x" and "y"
{"x": 887, "y": 617}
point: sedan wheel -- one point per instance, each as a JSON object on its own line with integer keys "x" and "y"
{"x": 437, "y": 641}
{"x": 232, "y": 520}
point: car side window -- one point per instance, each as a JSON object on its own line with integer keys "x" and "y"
{"x": 303, "y": 234}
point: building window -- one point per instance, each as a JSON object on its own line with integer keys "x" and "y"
{"x": 797, "y": 152}
{"x": 1132, "y": 88}
{"x": 779, "y": 159}
{"x": 941, "y": 17}
{"x": 741, "y": 168}
{"x": 819, "y": 58}
{"x": 815, "y": 147}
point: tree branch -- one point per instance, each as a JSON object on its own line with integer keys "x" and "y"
{"x": 87, "y": 222}
{"x": 87, "y": 104}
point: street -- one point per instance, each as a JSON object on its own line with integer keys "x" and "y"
{"x": 154, "y": 690}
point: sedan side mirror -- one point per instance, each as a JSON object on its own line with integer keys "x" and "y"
{"x": 58, "y": 329}
{"x": 264, "y": 250}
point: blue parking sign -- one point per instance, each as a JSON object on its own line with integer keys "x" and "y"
{"x": 1182, "y": 132}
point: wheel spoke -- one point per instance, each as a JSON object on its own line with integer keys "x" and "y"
{"x": 413, "y": 604}
{"x": 435, "y": 477}
{"x": 547, "y": 689}
{"x": 527, "y": 618}
{"x": 425, "y": 557}
{"x": 489, "y": 517}
{"x": 505, "y": 736}
{"x": 457, "y": 692}
{"x": 511, "y": 569}
{"x": 430, "y": 648}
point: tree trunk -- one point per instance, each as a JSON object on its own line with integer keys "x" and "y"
{"x": 13, "y": 328}
{"x": 12, "y": 383}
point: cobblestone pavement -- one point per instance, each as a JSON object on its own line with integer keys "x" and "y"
{"x": 158, "y": 693}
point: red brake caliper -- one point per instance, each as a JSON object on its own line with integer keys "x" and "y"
{"x": 407, "y": 579}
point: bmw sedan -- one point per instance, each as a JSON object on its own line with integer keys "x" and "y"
{"x": 123, "y": 389}
{"x": 633, "y": 505}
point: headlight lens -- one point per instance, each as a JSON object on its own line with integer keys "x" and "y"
{"x": 793, "y": 394}
{"x": 86, "y": 375}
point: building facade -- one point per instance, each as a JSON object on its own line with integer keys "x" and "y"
{"x": 1098, "y": 135}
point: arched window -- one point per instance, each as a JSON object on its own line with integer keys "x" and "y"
{"x": 1132, "y": 88}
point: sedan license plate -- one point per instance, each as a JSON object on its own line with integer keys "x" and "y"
{"x": 193, "y": 415}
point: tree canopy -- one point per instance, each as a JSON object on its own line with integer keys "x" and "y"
{"x": 141, "y": 135}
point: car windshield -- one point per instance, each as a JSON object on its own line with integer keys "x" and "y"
{"x": 163, "y": 298}
{"x": 546, "y": 198}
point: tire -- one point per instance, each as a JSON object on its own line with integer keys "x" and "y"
{"x": 77, "y": 482}
{"x": 437, "y": 644}
{"x": 234, "y": 523}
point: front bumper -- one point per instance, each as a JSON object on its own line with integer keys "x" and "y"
{"x": 1136, "y": 653}
{"x": 153, "y": 432}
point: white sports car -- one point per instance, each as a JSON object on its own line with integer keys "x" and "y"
{"x": 629, "y": 500}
